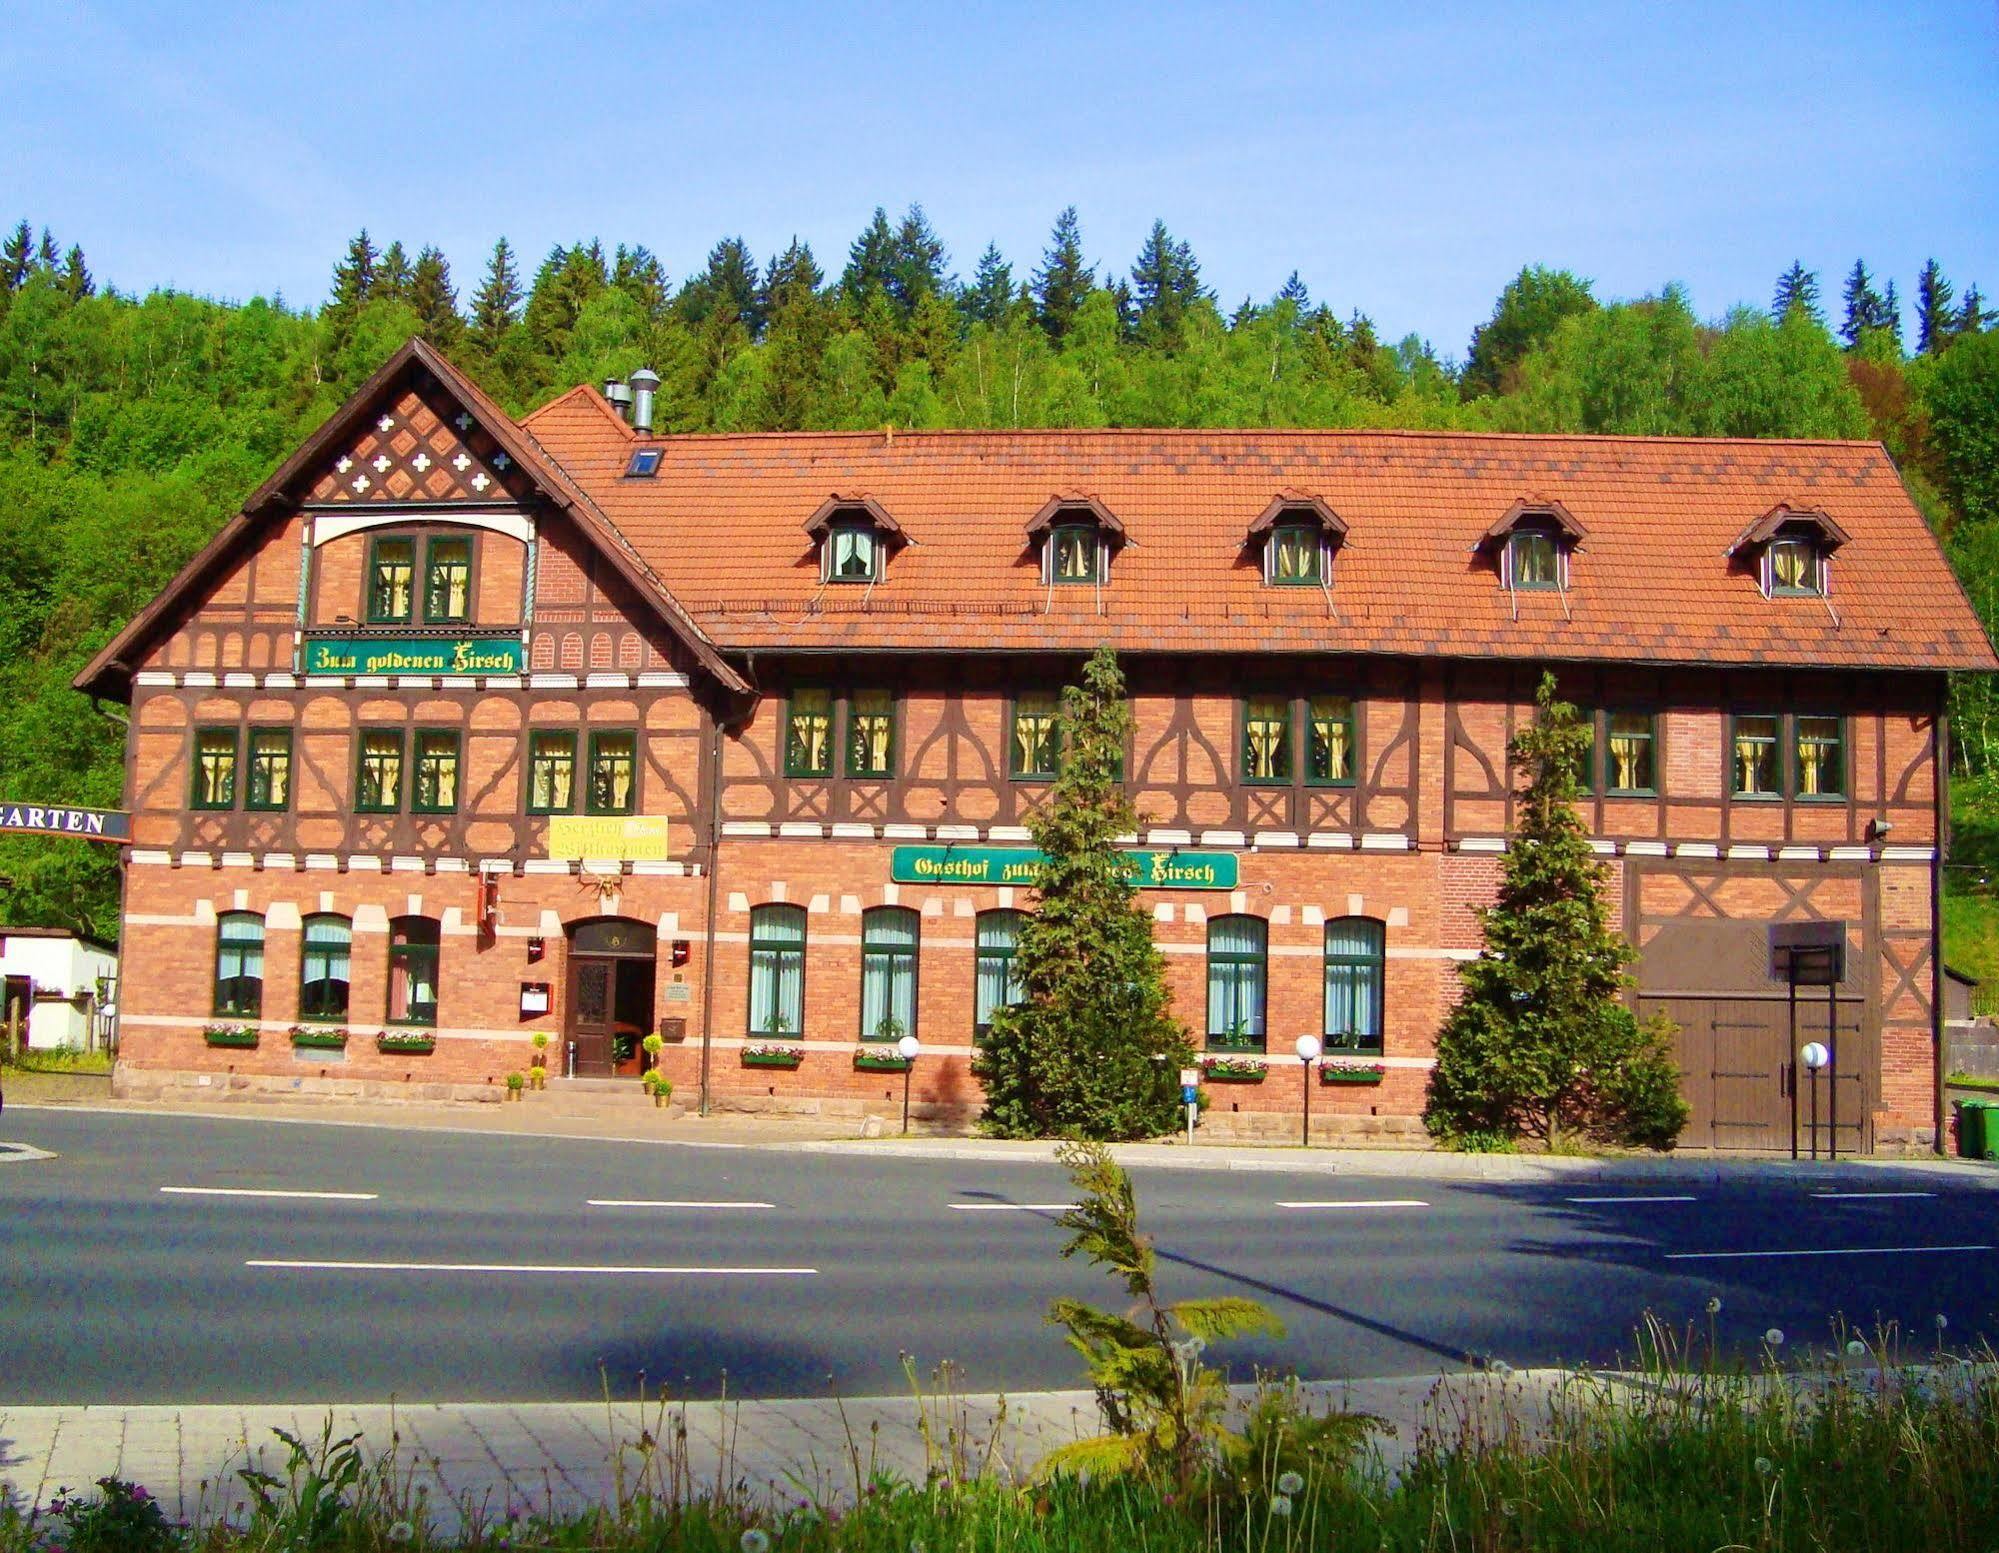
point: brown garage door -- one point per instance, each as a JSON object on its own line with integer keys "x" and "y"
{"x": 1736, "y": 1070}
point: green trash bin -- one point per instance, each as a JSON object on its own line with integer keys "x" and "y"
{"x": 1976, "y": 1129}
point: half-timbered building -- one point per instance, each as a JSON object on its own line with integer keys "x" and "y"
{"x": 468, "y": 728}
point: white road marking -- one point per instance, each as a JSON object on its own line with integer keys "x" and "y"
{"x": 533, "y": 1267}
{"x": 1718, "y": 1256}
{"x": 651, "y": 1202}
{"x": 1830, "y": 1196}
{"x": 1376, "y": 1202}
{"x": 1015, "y": 1207}
{"x": 1630, "y": 1199}
{"x": 265, "y": 1191}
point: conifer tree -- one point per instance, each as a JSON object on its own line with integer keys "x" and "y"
{"x": 1165, "y": 284}
{"x": 1973, "y": 317}
{"x": 917, "y": 269}
{"x": 1295, "y": 292}
{"x": 48, "y": 255}
{"x": 496, "y": 305}
{"x": 1541, "y": 1043}
{"x": 990, "y": 294}
{"x": 433, "y": 300}
{"x": 1933, "y": 311}
{"x": 639, "y": 274}
{"x": 1891, "y": 315}
{"x": 76, "y": 278}
{"x": 1797, "y": 289}
{"x": 393, "y": 275}
{"x": 1063, "y": 279}
{"x": 870, "y": 261}
{"x": 1093, "y": 1051}
{"x": 727, "y": 286}
{"x": 1864, "y": 306}
{"x": 1529, "y": 311}
{"x": 793, "y": 276}
{"x": 17, "y": 257}
{"x": 354, "y": 276}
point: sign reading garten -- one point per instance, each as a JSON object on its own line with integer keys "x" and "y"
{"x": 49, "y": 819}
{"x": 1016, "y": 865}
{"x": 414, "y": 655}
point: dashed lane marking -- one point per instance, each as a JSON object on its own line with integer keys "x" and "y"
{"x": 563, "y": 1270}
{"x": 1361, "y": 1202}
{"x": 1014, "y": 1207}
{"x": 664, "y": 1202}
{"x": 1630, "y": 1199}
{"x": 1732, "y": 1256}
{"x": 266, "y": 1191}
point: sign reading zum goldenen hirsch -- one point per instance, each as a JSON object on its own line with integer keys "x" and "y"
{"x": 414, "y": 655}
{"x": 1016, "y": 865}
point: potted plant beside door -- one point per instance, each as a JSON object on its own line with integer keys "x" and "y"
{"x": 625, "y": 1052}
{"x": 538, "y": 1064}
{"x": 652, "y": 1045}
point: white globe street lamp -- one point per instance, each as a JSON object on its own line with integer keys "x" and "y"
{"x": 1308, "y": 1051}
{"x": 908, "y": 1047}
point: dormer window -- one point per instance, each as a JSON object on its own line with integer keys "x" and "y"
{"x": 1791, "y": 549}
{"x": 1298, "y": 533}
{"x": 1077, "y": 536}
{"x": 1532, "y": 544}
{"x": 854, "y": 534}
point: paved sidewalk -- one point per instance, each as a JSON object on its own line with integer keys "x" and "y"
{"x": 482, "y": 1461}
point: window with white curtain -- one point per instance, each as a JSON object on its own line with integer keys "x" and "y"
{"x": 888, "y": 973}
{"x": 777, "y": 971}
{"x": 239, "y": 964}
{"x": 1238, "y": 981}
{"x": 1354, "y": 955}
{"x": 997, "y": 984}
{"x": 324, "y": 968}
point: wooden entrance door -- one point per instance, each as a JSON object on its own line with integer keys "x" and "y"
{"x": 1736, "y": 1069}
{"x": 592, "y": 983}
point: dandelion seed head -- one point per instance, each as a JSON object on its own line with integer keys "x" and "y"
{"x": 1506, "y": 1509}
{"x": 756, "y": 1540}
{"x": 1280, "y": 1505}
{"x": 402, "y": 1531}
{"x": 1765, "y": 1466}
{"x": 1774, "y": 1337}
{"x": 1856, "y": 1349}
{"x": 1501, "y": 1368}
{"x": 1942, "y": 1321}
{"x": 1290, "y": 1483}
{"x": 1714, "y": 1304}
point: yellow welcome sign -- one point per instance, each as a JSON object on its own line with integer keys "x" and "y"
{"x": 629, "y": 838}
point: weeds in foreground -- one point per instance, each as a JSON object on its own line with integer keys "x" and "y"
{"x": 54, "y": 1059}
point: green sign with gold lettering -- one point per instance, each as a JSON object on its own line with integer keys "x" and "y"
{"x": 414, "y": 655}
{"x": 1151, "y": 870}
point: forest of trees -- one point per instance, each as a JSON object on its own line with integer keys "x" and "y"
{"x": 131, "y": 427}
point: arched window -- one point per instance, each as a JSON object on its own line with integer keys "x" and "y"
{"x": 997, "y": 982}
{"x": 1354, "y": 955}
{"x": 324, "y": 967}
{"x": 1238, "y": 980}
{"x": 888, "y": 973}
{"x": 239, "y": 965}
{"x": 777, "y": 971}
{"x": 413, "y": 971}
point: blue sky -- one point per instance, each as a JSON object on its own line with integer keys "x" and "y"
{"x": 1405, "y": 159}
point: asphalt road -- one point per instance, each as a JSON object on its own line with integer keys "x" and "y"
{"x": 132, "y": 1270}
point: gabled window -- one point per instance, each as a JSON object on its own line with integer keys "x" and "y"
{"x": 1532, "y": 543}
{"x": 1791, "y": 550}
{"x": 1073, "y": 556}
{"x": 1077, "y": 535}
{"x": 1533, "y": 559}
{"x": 1794, "y": 566}
{"x": 1298, "y": 534}
{"x": 855, "y": 535}
{"x": 1293, "y": 557}
{"x": 852, "y": 554}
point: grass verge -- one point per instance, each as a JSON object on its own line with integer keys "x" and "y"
{"x": 55, "y": 1059}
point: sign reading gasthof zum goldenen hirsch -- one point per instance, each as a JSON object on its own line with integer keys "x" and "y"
{"x": 1017, "y": 865}
{"x": 414, "y": 655}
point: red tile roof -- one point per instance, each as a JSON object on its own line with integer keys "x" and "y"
{"x": 721, "y": 525}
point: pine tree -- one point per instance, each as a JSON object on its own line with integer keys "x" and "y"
{"x": 1541, "y": 1043}
{"x": 1891, "y": 315}
{"x": 1294, "y": 292}
{"x": 1165, "y": 284}
{"x": 564, "y": 285}
{"x": 1864, "y": 306}
{"x": 1973, "y": 317}
{"x": 870, "y": 261}
{"x": 354, "y": 276}
{"x": 990, "y": 294}
{"x": 1093, "y": 1052}
{"x": 727, "y": 286}
{"x": 48, "y": 254}
{"x": 917, "y": 270}
{"x": 1063, "y": 279}
{"x": 76, "y": 279}
{"x": 434, "y": 301}
{"x": 793, "y": 276}
{"x": 393, "y": 276}
{"x": 1933, "y": 311}
{"x": 1797, "y": 289}
{"x": 637, "y": 272}
{"x": 17, "y": 257}
{"x": 496, "y": 305}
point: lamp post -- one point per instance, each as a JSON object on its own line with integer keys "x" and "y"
{"x": 908, "y": 1046}
{"x": 1308, "y": 1051}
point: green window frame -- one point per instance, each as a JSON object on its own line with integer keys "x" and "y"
{"x": 1795, "y": 567}
{"x": 1329, "y": 750}
{"x": 1630, "y": 754}
{"x": 808, "y": 733}
{"x": 434, "y": 782}
{"x": 1266, "y": 741}
{"x": 777, "y": 971}
{"x": 447, "y": 580}
{"x": 853, "y": 553}
{"x": 214, "y": 768}
{"x": 325, "y": 968}
{"x": 1356, "y": 965}
{"x": 552, "y": 771}
{"x": 1533, "y": 559}
{"x": 268, "y": 782}
{"x": 890, "y": 936}
{"x": 1238, "y": 983}
{"x": 391, "y": 580}
{"x": 871, "y": 734}
{"x": 613, "y": 784}
{"x": 1034, "y": 742}
{"x": 996, "y": 982}
{"x": 378, "y": 771}
{"x": 1295, "y": 556}
{"x": 239, "y": 965}
{"x": 1756, "y": 755}
{"x": 1819, "y": 757}
{"x": 413, "y": 950}
{"x": 1075, "y": 555}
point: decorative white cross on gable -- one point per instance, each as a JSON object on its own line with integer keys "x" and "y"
{"x": 481, "y": 480}
{"x": 464, "y": 421}
{"x": 360, "y": 484}
{"x": 461, "y": 463}
{"x": 420, "y": 463}
{"x": 382, "y": 462}
{"x": 344, "y": 465}
{"x": 501, "y": 461}
{"x": 386, "y": 423}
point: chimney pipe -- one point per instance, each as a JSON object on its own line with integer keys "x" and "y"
{"x": 645, "y": 383}
{"x": 619, "y": 397}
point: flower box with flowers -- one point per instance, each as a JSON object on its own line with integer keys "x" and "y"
{"x": 324, "y": 1038}
{"x": 880, "y": 1059}
{"x": 770, "y": 1055}
{"x": 415, "y": 1043}
{"x": 1351, "y": 1073}
{"x": 243, "y": 1037}
{"x": 1234, "y": 1070}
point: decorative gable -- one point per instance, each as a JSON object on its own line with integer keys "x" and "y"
{"x": 422, "y": 446}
